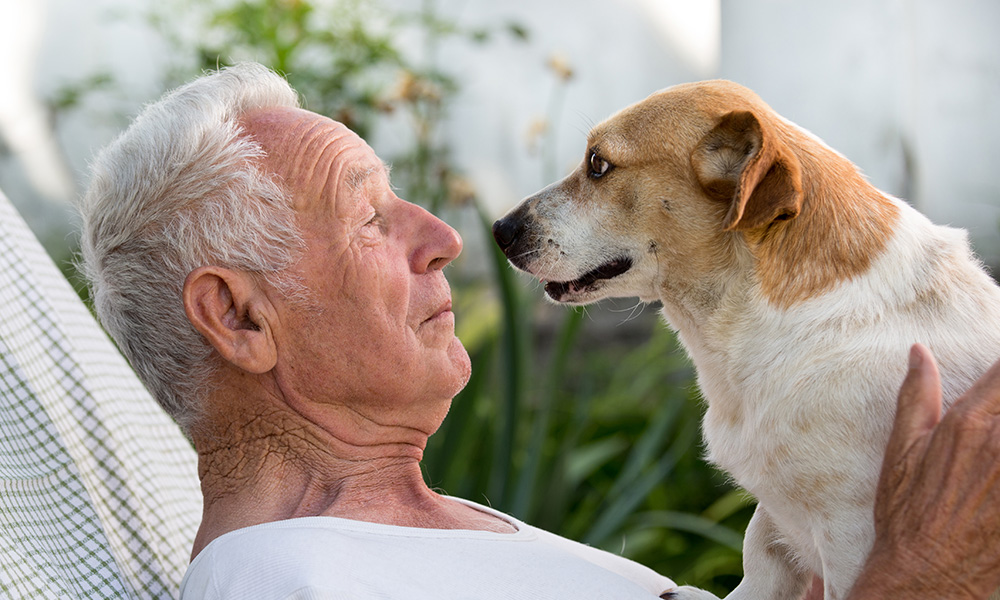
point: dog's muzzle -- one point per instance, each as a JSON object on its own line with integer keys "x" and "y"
{"x": 509, "y": 233}
{"x": 506, "y": 231}
{"x": 513, "y": 234}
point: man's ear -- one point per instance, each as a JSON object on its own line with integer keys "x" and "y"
{"x": 234, "y": 315}
{"x": 742, "y": 162}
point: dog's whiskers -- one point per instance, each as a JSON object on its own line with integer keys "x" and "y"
{"x": 524, "y": 254}
{"x": 634, "y": 312}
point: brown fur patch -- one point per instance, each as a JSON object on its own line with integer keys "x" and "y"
{"x": 821, "y": 222}
{"x": 810, "y": 217}
{"x": 845, "y": 223}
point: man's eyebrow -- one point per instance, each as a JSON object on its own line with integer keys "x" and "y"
{"x": 357, "y": 176}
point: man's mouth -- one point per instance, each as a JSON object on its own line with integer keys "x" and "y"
{"x": 445, "y": 307}
{"x": 612, "y": 268}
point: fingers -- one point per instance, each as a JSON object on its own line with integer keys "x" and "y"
{"x": 939, "y": 484}
{"x": 918, "y": 406}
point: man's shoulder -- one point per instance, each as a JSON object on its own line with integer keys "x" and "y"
{"x": 354, "y": 559}
{"x": 282, "y": 559}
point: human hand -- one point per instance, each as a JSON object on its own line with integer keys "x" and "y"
{"x": 937, "y": 510}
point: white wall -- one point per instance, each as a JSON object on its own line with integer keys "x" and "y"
{"x": 618, "y": 53}
{"x": 48, "y": 44}
{"x": 905, "y": 88}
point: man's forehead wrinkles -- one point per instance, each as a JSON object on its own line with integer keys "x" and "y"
{"x": 321, "y": 144}
{"x": 324, "y": 154}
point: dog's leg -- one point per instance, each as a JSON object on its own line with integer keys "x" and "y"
{"x": 769, "y": 572}
{"x": 769, "y": 568}
{"x": 848, "y": 536}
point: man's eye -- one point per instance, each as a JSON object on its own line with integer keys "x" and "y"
{"x": 598, "y": 166}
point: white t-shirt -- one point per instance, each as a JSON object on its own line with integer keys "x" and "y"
{"x": 326, "y": 558}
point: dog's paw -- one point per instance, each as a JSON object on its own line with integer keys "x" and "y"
{"x": 686, "y": 592}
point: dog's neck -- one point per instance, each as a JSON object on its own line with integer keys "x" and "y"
{"x": 844, "y": 225}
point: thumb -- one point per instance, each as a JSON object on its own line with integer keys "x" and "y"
{"x": 918, "y": 406}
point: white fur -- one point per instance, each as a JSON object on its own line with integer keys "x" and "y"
{"x": 801, "y": 391}
{"x": 816, "y": 386}
{"x": 801, "y": 399}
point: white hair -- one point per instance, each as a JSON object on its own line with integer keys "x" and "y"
{"x": 180, "y": 189}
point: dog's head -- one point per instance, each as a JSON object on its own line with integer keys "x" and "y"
{"x": 665, "y": 188}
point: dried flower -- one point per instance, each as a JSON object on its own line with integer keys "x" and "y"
{"x": 560, "y": 66}
{"x": 412, "y": 88}
{"x": 460, "y": 190}
{"x": 536, "y": 129}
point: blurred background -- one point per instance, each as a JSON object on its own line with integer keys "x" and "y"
{"x": 581, "y": 422}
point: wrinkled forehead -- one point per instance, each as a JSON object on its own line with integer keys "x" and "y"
{"x": 316, "y": 157}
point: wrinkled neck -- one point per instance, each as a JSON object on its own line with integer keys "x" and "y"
{"x": 263, "y": 462}
{"x": 258, "y": 444}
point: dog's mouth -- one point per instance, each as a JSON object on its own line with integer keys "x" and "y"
{"x": 557, "y": 290}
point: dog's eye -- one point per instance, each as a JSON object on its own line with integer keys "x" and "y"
{"x": 598, "y": 166}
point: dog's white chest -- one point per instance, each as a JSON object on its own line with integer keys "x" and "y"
{"x": 798, "y": 442}
{"x": 800, "y": 402}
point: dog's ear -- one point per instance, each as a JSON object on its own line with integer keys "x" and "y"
{"x": 741, "y": 162}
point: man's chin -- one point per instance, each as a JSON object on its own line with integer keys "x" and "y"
{"x": 464, "y": 363}
{"x": 459, "y": 368}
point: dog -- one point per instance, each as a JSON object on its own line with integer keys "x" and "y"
{"x": 796, "y": 288}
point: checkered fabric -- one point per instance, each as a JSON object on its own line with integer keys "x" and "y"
{"x": 99, "y": 495}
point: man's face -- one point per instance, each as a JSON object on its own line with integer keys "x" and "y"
{"x": 377, "y": 331}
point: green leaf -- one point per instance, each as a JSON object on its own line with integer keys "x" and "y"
{"x": 585, "y": 460}
{"x": 697, "y": 524}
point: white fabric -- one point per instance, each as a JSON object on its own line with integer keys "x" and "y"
{"x": 326, "y": 558}
{"x": 99, "y": 495}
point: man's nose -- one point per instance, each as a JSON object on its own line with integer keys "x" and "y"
{"x": 438, "y": 243}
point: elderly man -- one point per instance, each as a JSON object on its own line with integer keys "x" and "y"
{"x": 290, "y": 312}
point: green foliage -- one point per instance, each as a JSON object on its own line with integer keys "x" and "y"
{"x": 594, "y": 440}
{"x": 69, "y": 95}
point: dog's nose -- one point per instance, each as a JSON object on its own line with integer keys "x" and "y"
{"x": 506, "y": 231}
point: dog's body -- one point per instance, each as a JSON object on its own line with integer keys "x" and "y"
{"x": 796, "y": 287}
